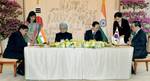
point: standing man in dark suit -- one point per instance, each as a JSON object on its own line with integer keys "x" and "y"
{"x": 94, "y": 33}
{"x": 122, "y": 25}
{"x": 139, "y": 41}
{"x": 63, "y": 34}
{"x": 15, "y": 47}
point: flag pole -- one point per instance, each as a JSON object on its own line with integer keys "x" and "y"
{"x": 119, "y": 5}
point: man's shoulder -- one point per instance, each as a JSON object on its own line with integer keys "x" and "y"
{"x": 68, "y": 33}
{"x": 87, "y": 31}
{"x": 58, "y": 33}
{"x": 115, "y": 22}
{"x": 15, "y": 33}
{"x": 141, "y": 32}
{"x": 124, "y": 20}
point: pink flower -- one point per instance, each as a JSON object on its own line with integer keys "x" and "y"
{"x": 132, "y": 1}
{"x": 10, "y": 10}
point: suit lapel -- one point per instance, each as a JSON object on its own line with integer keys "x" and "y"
{"x": 20, "y": 35}
{"x": 137, "y": 35}
{"x": 122, "y": 21}
{"x": 91, "y": 34}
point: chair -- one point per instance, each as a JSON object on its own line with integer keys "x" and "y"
{"x": 145, "y": 60}
{"x": 7, "y": 61}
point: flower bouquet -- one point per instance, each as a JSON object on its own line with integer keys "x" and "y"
{"x": 79, "y": 44}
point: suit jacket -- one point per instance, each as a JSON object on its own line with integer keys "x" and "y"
{"x": 63, "y": 36}
{"x": 124, "y": 29}
{"x": 89, "y": 36}
{"x": 139, "y": 43}
{"x": 15, "y": 46}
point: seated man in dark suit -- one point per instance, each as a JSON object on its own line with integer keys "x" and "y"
{"x": 94, "y": 33}
{"x": 15, "y": 47}
{"x": 139, "y": 41}
{"x": 63, "y": 34}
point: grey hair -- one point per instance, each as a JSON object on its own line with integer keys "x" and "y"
{"x": 63, "y": 26}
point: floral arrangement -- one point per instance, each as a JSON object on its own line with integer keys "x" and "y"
{"x": 136, "y": 12}
{"x": 9, "y": 12}
{"x": 79, "y": 44}
{"x": 135, "y": 4}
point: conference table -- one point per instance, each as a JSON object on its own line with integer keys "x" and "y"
{"x": 78, "y": 63}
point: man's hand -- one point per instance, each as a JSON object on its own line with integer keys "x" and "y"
{"x": 129, "y": 42}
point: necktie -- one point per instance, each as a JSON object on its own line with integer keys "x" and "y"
{"x": 93, "y": 35}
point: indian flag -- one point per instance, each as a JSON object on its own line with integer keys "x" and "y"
{"x": 42, "y": 37}
{"x": 103, "y": 21}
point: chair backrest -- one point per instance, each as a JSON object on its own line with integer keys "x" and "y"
{"x": 3, "y": 45}
{"x": 1, "y": 49}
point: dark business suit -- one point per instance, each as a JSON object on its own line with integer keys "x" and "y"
{"x": 63, "y": 36}
{"x": 15, "y": 50}
{"x": 124, "y": 29}
{"x": 139, "y": 43}
{"x": 15, "y": 46}
{"x": 90, "y": 36}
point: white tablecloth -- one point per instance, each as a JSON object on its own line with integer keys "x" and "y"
{"x": 77, "y": 63}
